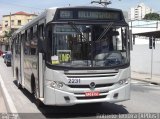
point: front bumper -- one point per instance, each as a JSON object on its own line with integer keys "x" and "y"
{"x": 58, "y": 97}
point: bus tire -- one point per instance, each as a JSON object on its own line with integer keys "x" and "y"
{"x": 33, "y": 86}
{"x": 17, "y": 81}
{"x": 38, "y": 102}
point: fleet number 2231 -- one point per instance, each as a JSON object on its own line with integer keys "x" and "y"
{"x": 74, "y": 81}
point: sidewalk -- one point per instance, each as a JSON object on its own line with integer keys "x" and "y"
{"x": 3, "y": 108}
{"x": 146, "y": 77}
{"x": 5, "y": 99}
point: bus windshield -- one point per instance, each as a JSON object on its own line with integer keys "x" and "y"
{"x": 88, "y": 45}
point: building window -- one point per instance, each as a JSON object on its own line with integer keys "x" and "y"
{"x": 6, "y": 23}
{"x": 12, "y": 22}
{"x": 19, "y": 22}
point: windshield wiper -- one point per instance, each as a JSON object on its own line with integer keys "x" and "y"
{"x": 82, "y": 37}
{"x": 77, "y": 30}
{"x": 105, "y": 31}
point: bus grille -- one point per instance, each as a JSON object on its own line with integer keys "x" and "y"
{"x": 91, "y": 75}
{"x": 87, "y": 86}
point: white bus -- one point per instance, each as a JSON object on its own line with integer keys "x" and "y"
{"x": 74, "y": 55}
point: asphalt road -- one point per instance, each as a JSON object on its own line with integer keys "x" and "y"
{"x": 145, "y": 98}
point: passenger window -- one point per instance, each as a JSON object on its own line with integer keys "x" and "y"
{"x": 41, "y": 32}
{"x": 30, "y": 42}
{"x": 17, "y": 44}
{"x": 34, "y": 41}
{"x": 26, "y": 38}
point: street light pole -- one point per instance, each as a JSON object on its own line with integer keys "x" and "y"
{"x": 10, "y": 20}
{"x": 152, "y": 38}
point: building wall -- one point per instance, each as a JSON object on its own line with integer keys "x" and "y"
{"x": 12, "y": 20}
{"x": 138, "y": 12}
{"x": 141, "y": 59}
{"x": 0, "y": 29}
{"x": 0, "y": 33}
{"x": 141, "y": 54}
{"x": 144, "y": 26}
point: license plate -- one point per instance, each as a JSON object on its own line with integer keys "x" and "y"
{"x": 91, "y": 94}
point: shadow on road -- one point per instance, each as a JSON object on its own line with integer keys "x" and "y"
{"x": 83, "y": 110}
{"x": 76, "y": 111}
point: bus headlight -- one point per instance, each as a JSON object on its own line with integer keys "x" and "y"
{"x": 123, "y": 81}
{"x": 57, "y": 84}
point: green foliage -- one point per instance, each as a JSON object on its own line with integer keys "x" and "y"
{"x": 8, "y": 34}
{"x": 152, "y": 16}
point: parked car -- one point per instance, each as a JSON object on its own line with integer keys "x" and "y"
{"x": 7, "y": 59}
{"x": 1, "y": 52}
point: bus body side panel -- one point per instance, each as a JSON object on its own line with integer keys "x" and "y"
{"x": 21, "y": 64}
{"x": 26, "y": 65}
{"x": 16, "y": 59}
{"x": 30, "y": 66}
{"x": 13, "y": 57}
{"x": 41, "y": 67}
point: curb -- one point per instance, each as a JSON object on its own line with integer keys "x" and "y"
{"x": 7, "y": 99}
{"x": 152, "y": 82}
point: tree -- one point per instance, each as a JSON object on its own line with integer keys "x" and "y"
{"x": 7, "y": 34}
{"x": 152, "y": 16}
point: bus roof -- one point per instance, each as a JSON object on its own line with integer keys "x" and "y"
{"x": 87, "y": 7}
{"x": 48, "y": 15}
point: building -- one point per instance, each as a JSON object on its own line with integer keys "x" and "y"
{"x": 0, "y": 29}
{"x": 1, "y": 39}
{"x": 142, "y": 59}
{"x": 16, "y": 20}
{"x": 1, "y": 33}
{"x": 10, "y": 23}
{"x": 139, "y": 12}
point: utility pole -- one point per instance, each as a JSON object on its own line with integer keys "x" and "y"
{"x": 105, "y": 3}
{"x": 10, "y": 30}
{"x": 10, "y": 21}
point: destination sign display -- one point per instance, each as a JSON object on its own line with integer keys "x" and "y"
{"x": 64, "y": 14}
{"x": 90, "y": 14}
{"x": 99, "y": 15}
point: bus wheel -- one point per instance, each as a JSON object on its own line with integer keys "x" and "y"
{"x": 18, "y": 82}
{"x": 33, "y": 86}
{"x": 38, "y": 102}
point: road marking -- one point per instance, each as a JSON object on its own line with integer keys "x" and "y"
{"x": 7, "y": 98}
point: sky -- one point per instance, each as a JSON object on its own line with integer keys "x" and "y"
{"x": 37, "y": 6}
